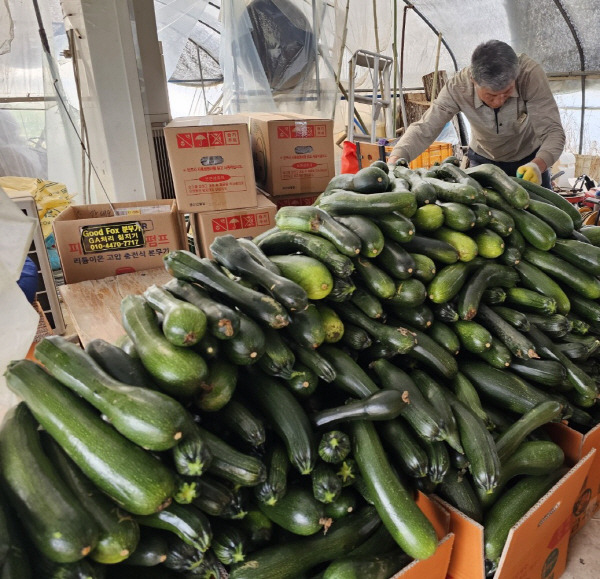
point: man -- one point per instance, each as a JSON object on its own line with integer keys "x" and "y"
{"x": 514, "y": 120}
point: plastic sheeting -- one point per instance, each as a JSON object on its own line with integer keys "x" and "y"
{"x": 276, "y": 56}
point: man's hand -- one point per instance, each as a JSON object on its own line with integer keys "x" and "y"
{"x": 530, "y": 172}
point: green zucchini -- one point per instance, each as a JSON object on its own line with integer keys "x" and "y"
{"x": 501, "y": 222}
{"x": 511, "y": 506}
{"x": 44, "y": 567}
{"x": 454, "y": 192}
{"x": 419, "y": 413}
{"x": 370, "y": 235}
{"x": 118, "y": 364}
{"x": 546, "y": 372}
{"x": 585, "y": 256}
{"x": 371, "y": 179}
{"x": 466, "y": 393}
{"x": 450, "y": 280}
{"x": 572, "y": 276}
{"x": 341, "y": 202}
{"x": 185, "y": 265}
{"x": 248, "y": 345}
{"x": 319, "y": 220}
{"x": 489, "y": 275}
{"x": 258, "y": 528}
{"x": 278, "y": 358}
{"x": 555, "y": 325}
{"x": 405, "y": 446}
{"x": 334, "y": 327}
{"x": 554, "y": 198}
{"x": 280, "y": 242}
{"x": 504, "y": 389}
{"x": 342, "y": 506}
{"x": 493, "y": 176}
{"x": 229, "y": 544}
{"x": 433, "y": 392}
{"x": 375, "y": 279}
{"x": 313, "y": 359}
{"x": 367, "y": 303}
{"x": 326, "y": 485}
{"x": 286, "y": 416}
{"x": 423, "y": 191}
{"x": 396, "y": 507}
{"x": 192, "y": 455}
{"x": 473, "y": 336}
{"x": 464, "y": 244}
{"x": 410, "y": 293}
{"x": 218, "y": 387}
{"x": 444, "y": 336}
{"x": 530, "y": 300}
{"x": 436, "y": 249}
{"x": 478, "y": 444}
{"x": 482, "y": 214}
{"x": 493, "y": 296}
{"x": 292, "y": 559}
{"x": 222, "y": 321}
{"x": 458, "y": 216}
{"x": 560, "y": 221}
{"x": 182, "y": 556}
{"x": 489, "y": 244}
{"x": 183, "y": 323}
{"x": 236, "y": 416}
{"x": 457, "y": 490}
{"x": 334, "y": 446}
{"x": 208, "y": 347}
{"x": 151, "y": 550}
{"x": 510, "y": 439}
{"x": 519, "y": 344}
{"x": 398, "y": 339}
{"x": 149, "y": 418}
{"x": 535, "y": 279}
{"x": 274, "y": 486}
{"x": 229, "y": 252}
{"x": 428, "y": 218}
{"x": 515, "y": 318}
{"x": 438, "y": 460}
{"x": 118, "y": 533}
{"x": 349, "y": 376}
{"x": 297, "y": 511}
{"x": 396, "y": 260}
{"x": 420, "y": 317}
{"x": 178, "y": 371}
{"x": 395, "y": 226}
{"x": 424, "y": 269}
{"x": 536, "y": 457}
{"x": 186, "y": 521}
{"x": 355, "y": 338}
{"x": 303, "y": 380}
{"x": 214, "y": 497}
{"x": 348, "y": 472}
{"x": 130, "y": 476}
{"x": 54, "y": 518}
{"x": 307, "y": 327}
{"x": 589, "y": 310}
{"x": 431, "y": 355}
{"x": 578, "y": 326}
{"x": 383, "y": 405}
{"x": 231, "y": 464}
{"x": 446, "y": 312}
{"x": 498, "y": 355}
{"x": 375, "y": 567}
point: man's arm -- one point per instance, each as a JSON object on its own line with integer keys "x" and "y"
{"x": 544, "y": 117}
{"x": 423, "y": 132}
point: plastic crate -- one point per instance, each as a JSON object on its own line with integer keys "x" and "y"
{"x": 371, "y": 152}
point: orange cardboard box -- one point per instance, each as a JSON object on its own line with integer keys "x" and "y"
{"x": 292, "y": 153}
{"x": 576, "y": 445}
{"x": 370, "y": 152}
{"x": 296, "y": 200}
{"x": 436, "y": 566}
{"x": 536, "y": 546}
{"x": 211, "y": 163}
{"x": 248, "y": 222}
{"x": 94, "y": 242}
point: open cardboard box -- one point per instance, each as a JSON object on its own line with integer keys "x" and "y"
{"x": 536, "y": 546}
{"x": 436, "y": 566}
{"x": 575, "y": 446}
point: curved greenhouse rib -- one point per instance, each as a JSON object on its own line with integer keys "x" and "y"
{"x": 567, "y": 19}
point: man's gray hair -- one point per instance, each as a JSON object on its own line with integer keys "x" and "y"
{"x": 494, "y": 65}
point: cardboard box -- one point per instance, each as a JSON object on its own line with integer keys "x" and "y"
{"x": 292, "y": 153}
{"x": 436, "y": 566}
{"x": 94, "y": 243}
{"x": 211, "y": 163}
{"x": 575, "y": 446}
{"x": 537, "y": 545}
{"x": 248, "y": 222}
{"x": 297, "y": 200}
{"x": 370, "y": 152}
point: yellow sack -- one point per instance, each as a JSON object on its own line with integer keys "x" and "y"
{"x": 51, "y": 198}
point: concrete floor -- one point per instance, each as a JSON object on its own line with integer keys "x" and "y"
{"x": 584, "y": 552}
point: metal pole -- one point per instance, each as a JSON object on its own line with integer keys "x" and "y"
{"x": 435, "y": 71}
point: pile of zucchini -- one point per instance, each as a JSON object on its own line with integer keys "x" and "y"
{"x": 270, "y": 413}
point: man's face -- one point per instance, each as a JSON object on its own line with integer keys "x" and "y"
{"x": 494, "y": 98}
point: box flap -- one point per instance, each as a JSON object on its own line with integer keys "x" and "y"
{"x": 206, "y": 121}
{"x": 433, "y": 568}
{"x": 437, "y": 515}
{"x": 537, "y": 545}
